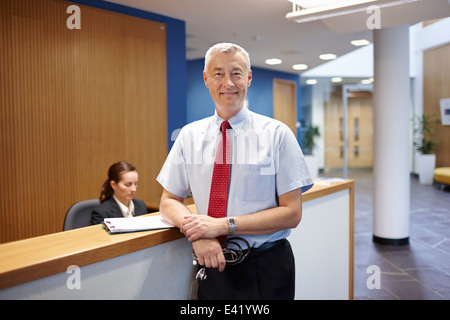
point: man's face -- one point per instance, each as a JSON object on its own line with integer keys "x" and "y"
{"x": 227, "y": 79}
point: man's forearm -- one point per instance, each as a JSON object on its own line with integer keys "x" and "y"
{"x": 172, "y": 209}
{"x": 208, "y": 251}
{"x": 267, "y": 221}
{"x": 286, "y": 216}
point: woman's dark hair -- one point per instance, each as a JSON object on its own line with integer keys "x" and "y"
{"x": 115, "y": 172}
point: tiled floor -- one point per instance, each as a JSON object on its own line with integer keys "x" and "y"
{"x": 418, "y": 271}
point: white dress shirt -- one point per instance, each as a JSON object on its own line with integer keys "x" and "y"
{"x": 128, "y": 212}
{"x": 266, "y": 161}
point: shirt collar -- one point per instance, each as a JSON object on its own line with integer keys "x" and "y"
{"x": 236, "y": 123}
{"x": 125, "y": 211}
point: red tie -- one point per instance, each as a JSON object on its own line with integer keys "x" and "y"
{"x": 220, "y": 179}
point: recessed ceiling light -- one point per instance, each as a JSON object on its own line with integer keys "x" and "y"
{"x": 327, "y": 56}
{"x": 367, "y": 81}
{"x": 273, "y": 61}
{"x": 300, "y": 66}
{"x": 360, "y": 42}
{"x": 336, "y": 79}
{"x": 311, "y": 81}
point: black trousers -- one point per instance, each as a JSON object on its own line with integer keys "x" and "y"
{"x": 267, "y": 275}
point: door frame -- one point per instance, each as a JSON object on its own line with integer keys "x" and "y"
{"x": 293, "y": 111}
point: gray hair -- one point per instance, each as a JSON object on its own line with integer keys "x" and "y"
{"x": 226, "y": 48}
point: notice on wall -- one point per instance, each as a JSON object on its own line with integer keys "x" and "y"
{"x": 445, "y": 111}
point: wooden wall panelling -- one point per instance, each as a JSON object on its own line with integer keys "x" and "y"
{"x": 72, "y": 103}
{"x": 436, "y": 86}
{"x": 143, "y": 110}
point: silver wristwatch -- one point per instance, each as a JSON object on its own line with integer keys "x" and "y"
{"x": 232, "y": 226}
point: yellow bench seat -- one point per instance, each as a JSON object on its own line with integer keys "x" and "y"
{"x": 442, "y": 175}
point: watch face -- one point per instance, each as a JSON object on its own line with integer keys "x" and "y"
{"x": 231, "y": 225}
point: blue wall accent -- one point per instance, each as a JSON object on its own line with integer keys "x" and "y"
{"x": 199, "y": 102}
{"x": 259, "y": 94}
{"x": 176, "y": 59}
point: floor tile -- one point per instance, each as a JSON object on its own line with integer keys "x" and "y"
{"x": 417, "y": 271}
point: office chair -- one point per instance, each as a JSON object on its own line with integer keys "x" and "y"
{"x": 79, "y": 214}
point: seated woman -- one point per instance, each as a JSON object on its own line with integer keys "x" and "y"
{"x": 116, "y": 195}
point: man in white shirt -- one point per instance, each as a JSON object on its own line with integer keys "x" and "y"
{"x": 268, "y": 174}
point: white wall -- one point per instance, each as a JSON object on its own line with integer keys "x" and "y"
{"x": 359, "y": 64}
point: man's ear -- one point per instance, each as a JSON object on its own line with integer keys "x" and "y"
{"x": 250, "y": 77}
{"x": 205, "y": 78}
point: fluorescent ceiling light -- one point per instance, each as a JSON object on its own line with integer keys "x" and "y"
{"x": 327, "y": 56}
{"x": 311, "y": 81}
{"x": 360, "y": 42}
{"x": 300, "y": 66}
{"x": 336, "y": 79}
{"x": 329, "y": 4}
{"x": 273, "y": 61}
{"x": 321, "y": 9}
{"x": 311, "y": 10}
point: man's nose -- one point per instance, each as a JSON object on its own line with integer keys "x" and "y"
{"x": 227, "y": 81}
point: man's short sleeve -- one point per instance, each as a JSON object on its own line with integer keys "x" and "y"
{"x": 292, "y": 171}
{"x": 173, "y": 175}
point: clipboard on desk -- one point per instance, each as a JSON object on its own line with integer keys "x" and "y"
{"x": 135, "y": 224}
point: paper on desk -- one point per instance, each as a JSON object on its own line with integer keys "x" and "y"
{"x": 327, "y": 181}
{"x": 120, "y": 225}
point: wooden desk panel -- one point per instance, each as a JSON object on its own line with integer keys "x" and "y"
{"x": 35, "y": 258}
{"x": 31, "y": 259}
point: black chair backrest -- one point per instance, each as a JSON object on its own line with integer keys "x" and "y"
{"x": 79, "y": 214}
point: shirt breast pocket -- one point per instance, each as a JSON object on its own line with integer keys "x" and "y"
{"x": 256, "y": 184}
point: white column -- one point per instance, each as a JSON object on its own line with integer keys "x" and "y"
{"x": 391, "y": 135}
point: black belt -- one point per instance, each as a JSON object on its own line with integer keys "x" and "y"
{"x": 265, "y": 247}
{"x": 230, "y": 255}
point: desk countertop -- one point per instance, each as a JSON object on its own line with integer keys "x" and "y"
{"x": 31, "y": 259}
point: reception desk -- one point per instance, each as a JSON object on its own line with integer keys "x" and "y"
{"x": 89, "y": 263}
